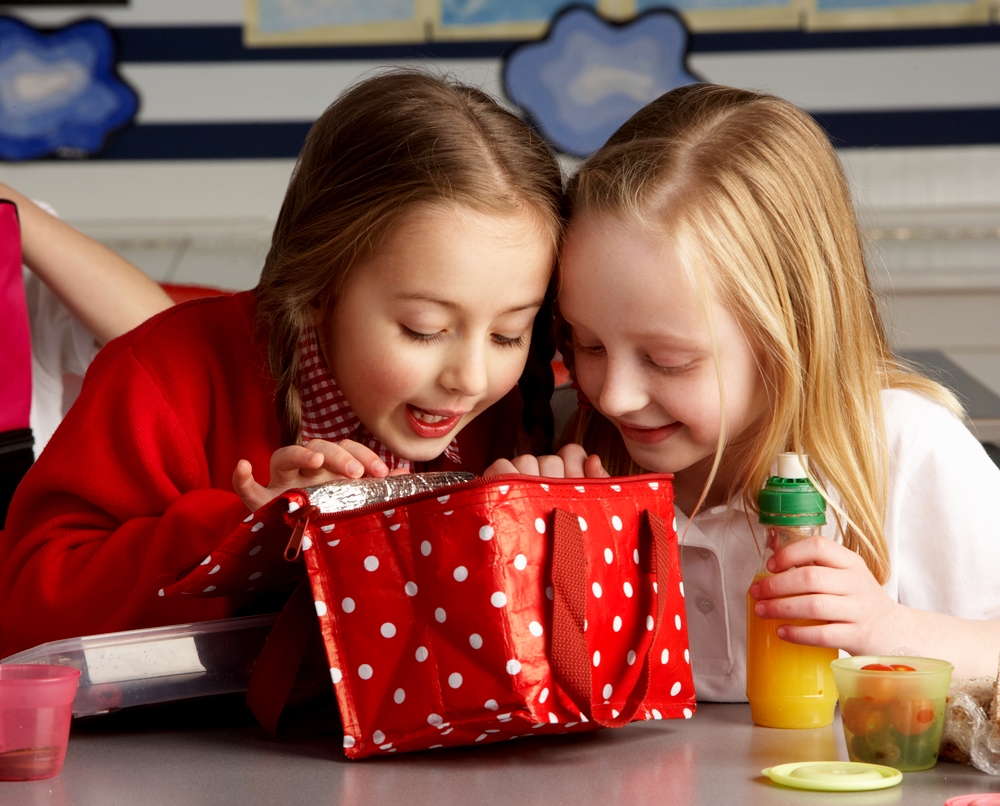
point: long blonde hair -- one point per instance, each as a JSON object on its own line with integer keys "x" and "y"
{"x": 391, "y": 142}
{"x": 755, "y": 201}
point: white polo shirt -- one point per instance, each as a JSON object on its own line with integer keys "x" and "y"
{"x": 61, "y": 350}
{"x": 942, "y": 530}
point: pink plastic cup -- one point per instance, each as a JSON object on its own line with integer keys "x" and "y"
{"x": 36, "y": 707}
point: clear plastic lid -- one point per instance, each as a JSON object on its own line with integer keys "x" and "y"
{"x": 162, "y": 664}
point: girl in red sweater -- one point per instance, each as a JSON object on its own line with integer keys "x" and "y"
{"x": 401, "y": 322}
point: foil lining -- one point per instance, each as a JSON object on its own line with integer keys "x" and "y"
{"x": 348, "y": 494}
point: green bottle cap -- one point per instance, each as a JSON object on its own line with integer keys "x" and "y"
{"x": 790, "y": 499}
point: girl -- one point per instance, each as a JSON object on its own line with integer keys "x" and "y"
{"x": 719, "y": 311}
{"x": 405, "y": 286}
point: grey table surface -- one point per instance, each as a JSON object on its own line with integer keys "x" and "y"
{"x": 207, "y": 755}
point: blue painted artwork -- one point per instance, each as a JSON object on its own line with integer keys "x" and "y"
{"x": 59, "y": 92}
{"x": 588, "y": 76}
{"x": 706, "y": 5}
{"x": 492, "y": 12}
{"x": 860, "y": 5}
{"x": 281, "y": 16}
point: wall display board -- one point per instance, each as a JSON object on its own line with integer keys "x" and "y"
{"x": 351, "y": 22}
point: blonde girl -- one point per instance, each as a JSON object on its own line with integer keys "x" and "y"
{"x": 719, "y": 311}
{"x": 401, "y": 323}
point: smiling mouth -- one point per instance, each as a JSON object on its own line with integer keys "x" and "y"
{"x": 429, "y": 425}
{"x": 649, "y": 436}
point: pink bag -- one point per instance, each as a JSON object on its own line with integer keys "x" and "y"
{"x": 497, "y": 608}
{"x": 16, "y": 454}
{"x": 15, "y": 331}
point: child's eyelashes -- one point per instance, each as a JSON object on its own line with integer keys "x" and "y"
{"x": 596, "y": 349}
{"x": 430, "y": 338}
{"x": 671, "y": 369}
{"x": 421, "y": 338}
{"x": 508, "y": 341}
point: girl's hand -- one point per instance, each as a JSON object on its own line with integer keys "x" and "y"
{"x": 317, "y": 462}
{"x": 572, "y": 462}
{"x": 819, "y": 579}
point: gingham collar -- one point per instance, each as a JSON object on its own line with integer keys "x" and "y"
{"x": 326, "y": 414}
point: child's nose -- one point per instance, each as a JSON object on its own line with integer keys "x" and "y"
{"x": 622, "y": 391}
{"x": 465, "y": 371}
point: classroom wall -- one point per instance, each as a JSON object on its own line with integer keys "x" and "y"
{"x": 933, "y": 212}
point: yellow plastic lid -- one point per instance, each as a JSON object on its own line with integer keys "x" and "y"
{"x": 834, "y": 776}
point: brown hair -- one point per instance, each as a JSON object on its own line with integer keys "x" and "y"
{"x": 751, "y": 193}
{"x": 391, "y": 142}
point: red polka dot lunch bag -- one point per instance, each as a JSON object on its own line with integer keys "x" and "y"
{"x": 475, "y": 612}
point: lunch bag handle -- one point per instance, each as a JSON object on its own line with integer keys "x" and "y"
{"x": 570, "y": 658}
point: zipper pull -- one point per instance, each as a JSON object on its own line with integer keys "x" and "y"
{"x": 294, "y": 548}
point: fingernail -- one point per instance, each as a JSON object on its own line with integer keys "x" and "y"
{"x": 759, "y": 609}
{"x": 755, "y": 591}
{"x": 354, "y": 469}
{"x": 771, "y": 565}
{"x": 380, "y": 467}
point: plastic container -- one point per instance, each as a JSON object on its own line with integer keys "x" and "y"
{"x": 36, "y": 704}
{"x": 162, "y": 664}
{"x": 788, "y": 685}
{"x": 893, "y": 717}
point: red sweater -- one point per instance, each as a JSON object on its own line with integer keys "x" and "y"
{"x": 136, "y": 484}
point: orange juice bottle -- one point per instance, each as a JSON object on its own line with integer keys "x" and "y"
{"x": 788, "y": 685}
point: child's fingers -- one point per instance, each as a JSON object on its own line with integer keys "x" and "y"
{"x": 499, "y": 468}
{"x": 804, "y": 580}
{"x": 816, "y": 606}
{"x": 527, "y": 465}
{"x": 594, "y": 469}
{"x": 554, "y": 467}
{"x": 813, "y": 551}
{"x": 246, "y": 487}
{"x": 574, "y": 458}
{"x": 833, "y": 635}
{"x": 289, "y": 462}
{"x": 349, "y": 458}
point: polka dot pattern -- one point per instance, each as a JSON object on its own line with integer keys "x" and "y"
{"x": 442, "y": 596}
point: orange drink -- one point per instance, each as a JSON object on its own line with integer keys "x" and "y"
{"x": 788, "y": 685}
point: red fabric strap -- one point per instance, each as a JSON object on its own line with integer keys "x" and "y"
{"x": 570, "y": 660}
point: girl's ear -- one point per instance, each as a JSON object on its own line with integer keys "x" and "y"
{"x": 316, "y": 312}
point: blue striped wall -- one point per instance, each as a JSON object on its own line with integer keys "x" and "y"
{"x": 880, "y": 119}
